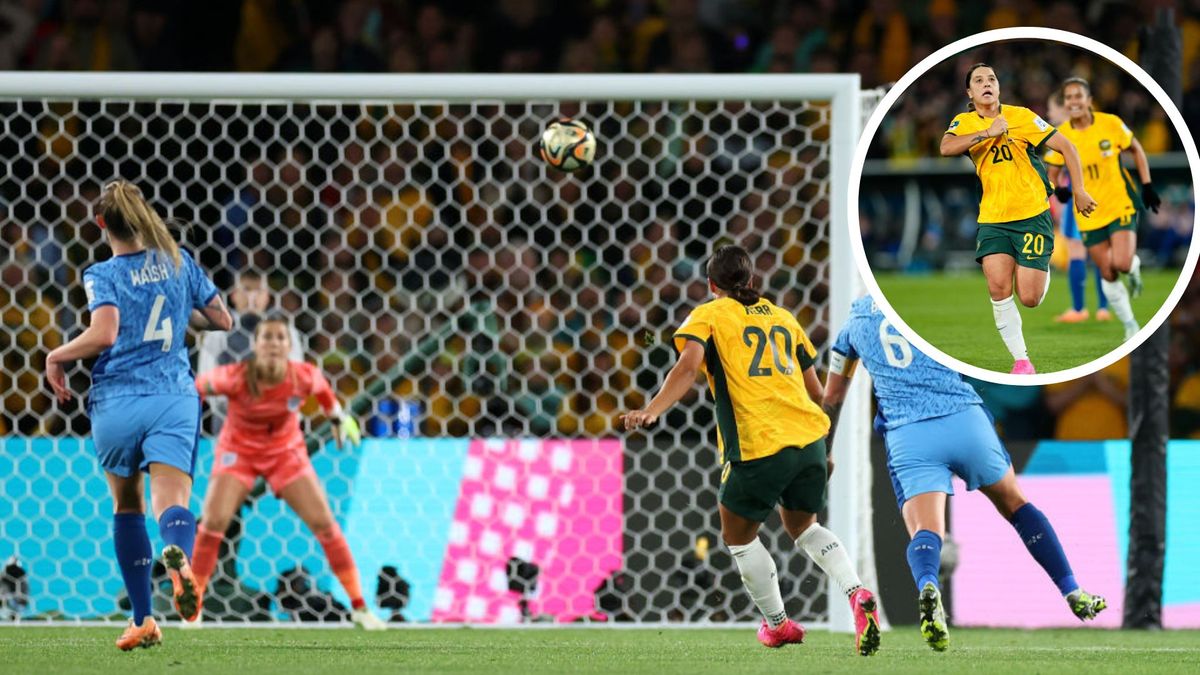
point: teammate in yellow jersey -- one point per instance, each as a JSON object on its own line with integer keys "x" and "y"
{"x": 1110, "y": 234}
{"x": 1016, "y": 234}
{"x": 771, "y": 434}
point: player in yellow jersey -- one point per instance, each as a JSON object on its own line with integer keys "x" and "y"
{"x": 1016, "y": 234}
{"x": 771, "y": 436}
{"x": 1110, "y": 234}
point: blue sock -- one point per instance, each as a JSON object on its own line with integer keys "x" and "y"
{"x": 1077, "y": 276}
{"x": 1042, "y": 542}
{"x": 178, "y": 526}
{"x": 1103, "y": 299}
{"x": 136, "y": 560}
{"x": 925, "y": 558}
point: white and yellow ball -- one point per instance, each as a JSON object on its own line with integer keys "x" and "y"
{"x": 567, "y": 145}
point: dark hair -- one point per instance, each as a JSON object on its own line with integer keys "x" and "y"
{"x": 731, "y": 270}
{"x": 1062, "y": 90}
{"x": 251, "y": 361}
{"x": 967, "y": 82}
{"x": 1087, "y": 88}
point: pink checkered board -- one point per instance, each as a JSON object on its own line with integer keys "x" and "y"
{"x": 556, "y": 503}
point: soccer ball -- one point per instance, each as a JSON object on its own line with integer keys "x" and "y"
{"x": 567, "y": 145}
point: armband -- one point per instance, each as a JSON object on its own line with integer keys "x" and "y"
{"x": 839, "y": 364}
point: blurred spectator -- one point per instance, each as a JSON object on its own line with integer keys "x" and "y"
{"x": 882, "y": 31}
{"x": 268, "y": 27}
{"x": 155, "y": 42}
{"x": 685, "y": 44}
{"x": 1009, "y": 13}
{"x": 1091, "y": 407}
{"x": 17, "y": 23}
{"x": 92, "y": 37}
{"x": 520, "y": 38}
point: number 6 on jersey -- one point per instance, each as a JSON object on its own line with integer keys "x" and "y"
{"x": 896, "y": 349}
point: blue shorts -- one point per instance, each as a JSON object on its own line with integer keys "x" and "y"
{"x": 1070, "y": 228}
{"x": 133, "y": 432}
{"x": 923, "y": 455}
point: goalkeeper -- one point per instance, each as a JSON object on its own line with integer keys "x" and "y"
{"x": 261, "y": 437}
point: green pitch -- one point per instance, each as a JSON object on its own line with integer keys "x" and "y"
{"x": 952, "y": 312}
{"x": 262, "y": 652}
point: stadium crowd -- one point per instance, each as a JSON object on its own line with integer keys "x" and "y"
{"x": 561, "y": 337}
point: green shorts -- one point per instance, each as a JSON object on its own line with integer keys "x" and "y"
{"x": 793, "y": 477}
{"x": 1101, "y": 235}
{"x": 1030, "y": 242}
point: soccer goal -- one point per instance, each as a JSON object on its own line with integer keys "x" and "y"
{"x": 486, "y": 316}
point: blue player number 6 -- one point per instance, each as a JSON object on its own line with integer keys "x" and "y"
{"x": 896, "y": 349}
{"x": 162, "y": 332}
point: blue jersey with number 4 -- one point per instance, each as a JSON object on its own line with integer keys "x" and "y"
{"x": 909, "y": 385}
{"x": 155, "y": 301}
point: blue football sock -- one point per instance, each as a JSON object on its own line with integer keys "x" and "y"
{"x": 178, "y": 526}
{"x": 925, "y": 558}
{"x": 1042, "y": 542}
{"x": 135, "y": 558}
{"x": 1077, "y": 277}
{"x": 1103, "y": 299}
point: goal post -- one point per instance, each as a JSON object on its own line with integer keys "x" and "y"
{"x": 433, "y": 263}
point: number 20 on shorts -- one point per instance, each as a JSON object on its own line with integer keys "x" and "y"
{"x": 1034, "y": 244}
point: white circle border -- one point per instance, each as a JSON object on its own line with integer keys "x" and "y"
{"x": 889, "y": 100}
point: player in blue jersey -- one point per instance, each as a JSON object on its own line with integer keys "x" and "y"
{"x": 143, "y": 405}
{"x": 934, "y": 426}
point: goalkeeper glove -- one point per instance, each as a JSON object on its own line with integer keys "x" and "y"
{"x": 1063, "y": 193}
{"x": 1150, "y": 198}
{"x": 345, "y": 427}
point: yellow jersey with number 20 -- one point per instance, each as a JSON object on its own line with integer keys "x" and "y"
{"x": 1011, "y": 175}
{"x": 755, "y": 357}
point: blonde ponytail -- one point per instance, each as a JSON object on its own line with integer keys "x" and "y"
{"x": 127, "y": 216}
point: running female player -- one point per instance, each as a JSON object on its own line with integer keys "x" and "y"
{"x": 934, "y": 426}
{"x": 1016, "y": 234}
{"x": 261, "y": 437}
{"x": 1077, "y": 268}
{"x": 1110, "y": 234}
{"x": 142, "y": 404}
{"x": 771, "y": 435}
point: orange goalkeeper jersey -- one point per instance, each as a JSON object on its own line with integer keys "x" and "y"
{"x": 267, "y": 423}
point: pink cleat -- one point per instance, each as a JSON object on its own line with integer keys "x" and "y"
{"x": 866, "y": 622}
{"x": 788, "y": 632}
{"x": 1023, "y": 367}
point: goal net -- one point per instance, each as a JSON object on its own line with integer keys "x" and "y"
{"x": 486, "y": 317}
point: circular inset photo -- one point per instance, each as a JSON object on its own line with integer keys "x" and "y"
{"x": 1025, "y": 205}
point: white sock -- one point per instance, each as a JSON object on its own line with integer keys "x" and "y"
{"x": 827, "y": 551}
{"x": 761, "y": 580}
{"x": 1045, "y": 289}
{"x": 1135, "y": 267}
{"x": 1008, "y": 322}
{"x": 1118, "y": 300}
